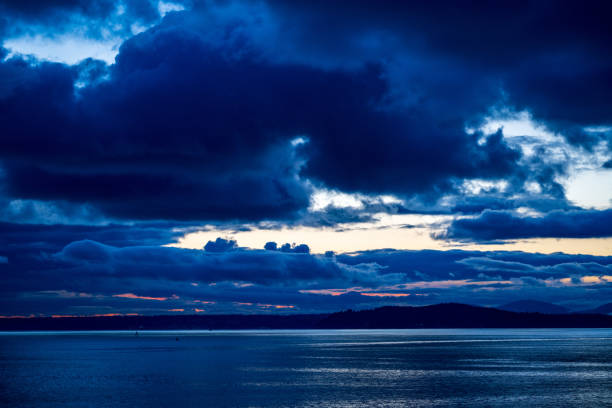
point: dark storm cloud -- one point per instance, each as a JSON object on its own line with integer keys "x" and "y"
{"x": 92, "y": 18}
{"x": 475, "y": 30}
{"x": 18, "y": 240}
{"x": 546, "y": 55}
{"x": 190, "y": 128}
{"x": 479, "y": 203}
{"x": 155, "y": 146}
{"x": 37, "y": 8}
{"x": 200, "y": 109}
{"x": 494, "y": 225}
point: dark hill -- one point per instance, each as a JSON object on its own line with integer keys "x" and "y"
{"x": 603, "y": 309}
{"x": 455, "y": 315}
{"x": 533, "y": 306}
{"x": 166, "y": 322}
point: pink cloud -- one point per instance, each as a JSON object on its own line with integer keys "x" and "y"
{"x": 133, "y": 296}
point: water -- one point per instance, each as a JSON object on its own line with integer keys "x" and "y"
{"x": 335, "y": 368}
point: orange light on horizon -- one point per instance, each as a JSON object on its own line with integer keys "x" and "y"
{"x": 440, "y": 284}
{"x": 96, "y": 315}
{"x": 133, "y": 296}
{"x": 585, "y": 280}
{"x": 264, "y": 305}
{"x": 383, "y": 294}
{"x": 276, "y": 306}
{"x": 331, "y": 292}
{"x": 58, "y": 316}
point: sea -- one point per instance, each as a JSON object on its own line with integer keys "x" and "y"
{"x": 308, "y": 368}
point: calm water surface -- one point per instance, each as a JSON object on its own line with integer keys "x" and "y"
{"x": 343, "y": 368}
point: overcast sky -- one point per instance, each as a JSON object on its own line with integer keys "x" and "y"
{"x": 300, "y": 156}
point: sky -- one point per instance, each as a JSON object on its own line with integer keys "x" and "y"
{"x": 299, "y": 157}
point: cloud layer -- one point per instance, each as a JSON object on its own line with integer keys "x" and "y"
{"x": 240, "y": 113}
{"x": 89, "y": 277}
{"x": 499, "y": 225}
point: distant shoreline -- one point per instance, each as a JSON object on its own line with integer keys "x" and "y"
{"x": 440, "y": 316}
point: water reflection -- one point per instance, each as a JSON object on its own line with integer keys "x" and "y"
{"x": 429, "y": 368}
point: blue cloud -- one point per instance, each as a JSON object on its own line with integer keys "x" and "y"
{"x": 92, "y": 18}
{"x": 575, "y": 41}
{"x": 401, "y": 96}
{"x": 496, "y": 225}
{"x": 220, "y": 245}
{"x": 85, "y": 275}
{"x": 202, "y": 131}
{"x": 287, "y": 247}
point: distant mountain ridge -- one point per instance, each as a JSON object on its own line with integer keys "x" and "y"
{"x": 456, "y": 315}
{"x": 603, "y": 309}
{"x": 445, "y": 315}
{"x": 533, "y": 306}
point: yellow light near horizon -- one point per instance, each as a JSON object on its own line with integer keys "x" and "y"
{"x": 383, "y": 236}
